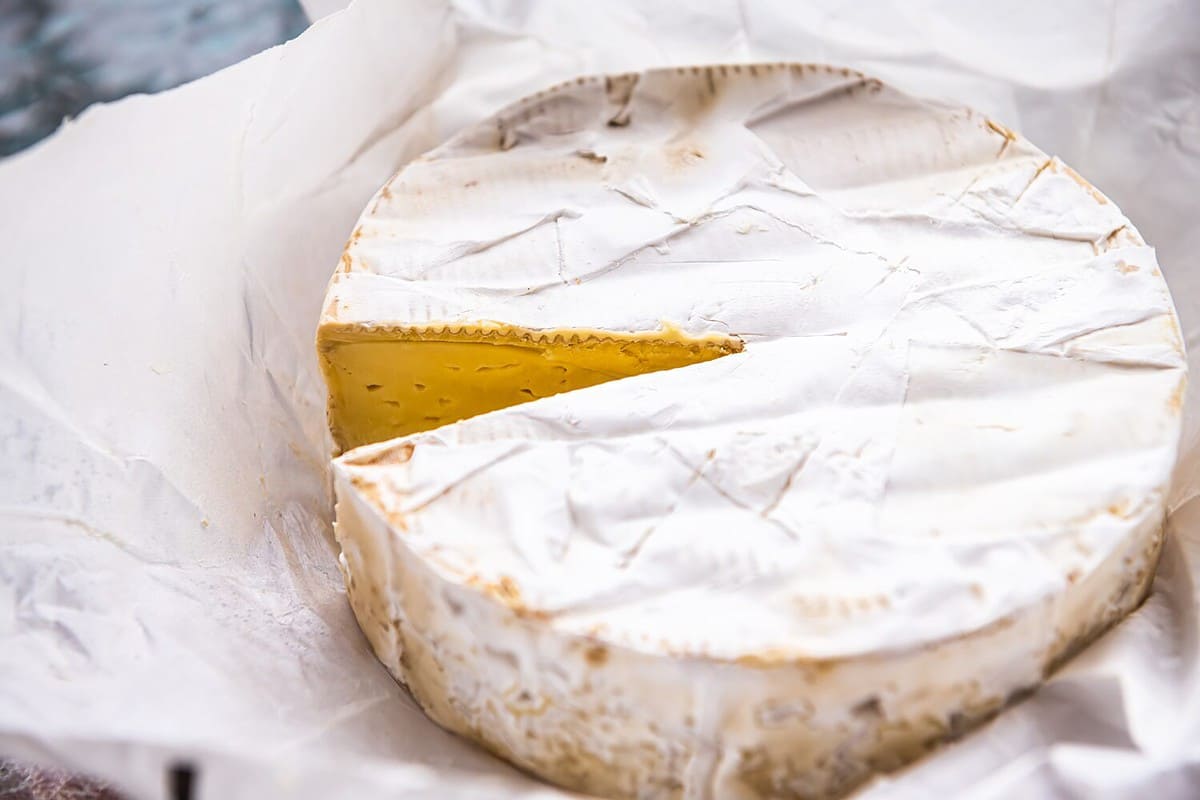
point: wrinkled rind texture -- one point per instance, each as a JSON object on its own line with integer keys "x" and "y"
{"x": 619, "y": 723}
{"x": 937, "y": 469}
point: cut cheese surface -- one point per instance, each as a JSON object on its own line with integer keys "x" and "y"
{"x": 388, "y": 383}
{"x": 797, "y": 426}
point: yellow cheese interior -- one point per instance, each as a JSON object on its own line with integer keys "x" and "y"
{"x": 388, "y": 383}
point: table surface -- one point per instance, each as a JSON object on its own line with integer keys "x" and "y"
{"x": 23, "y": 782}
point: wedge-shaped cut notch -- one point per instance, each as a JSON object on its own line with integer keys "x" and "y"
{"x": 389, "y": 382}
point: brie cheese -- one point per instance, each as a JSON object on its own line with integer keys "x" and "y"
{"x": 822, "y": 421}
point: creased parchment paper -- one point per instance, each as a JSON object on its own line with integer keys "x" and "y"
{"x": 168, "y": 582}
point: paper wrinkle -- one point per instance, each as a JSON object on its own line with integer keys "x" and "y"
{"x": 217, "y": 643}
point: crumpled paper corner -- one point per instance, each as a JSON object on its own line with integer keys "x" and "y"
{"x": 168, "y": 581}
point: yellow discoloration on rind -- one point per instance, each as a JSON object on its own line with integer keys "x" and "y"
{"x": 1175, "y": 402}
{"x": 1083, "y": 182}
{"x": 1009, "y": 136}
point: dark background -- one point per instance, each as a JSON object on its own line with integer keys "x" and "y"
{"x": 59, "y": 56}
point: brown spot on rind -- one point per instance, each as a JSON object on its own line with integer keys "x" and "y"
{"x": 506, "y": 138}
{"x": 1009, "y": 136}
{"x": 596, "y": 655}
{"x": 1079, "y": 179}
{"x": 508, "y": 592}
{"x": 1120, "y": 509}
{"x": 684, "y": 155}
{"x": 1047, "y": 164}
{"x": 400, "y": 454}
{"x": 619, "y": 89}
{"x": 870, "y": 708}
{"x": 1175, "y": 401}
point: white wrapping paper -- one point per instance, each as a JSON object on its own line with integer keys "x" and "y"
{"x": 168, "y": 584}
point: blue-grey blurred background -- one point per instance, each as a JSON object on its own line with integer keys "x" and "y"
{"x": 59, "y": 56}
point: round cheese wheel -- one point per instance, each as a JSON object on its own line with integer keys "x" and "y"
{"x": 864, "y": 417}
